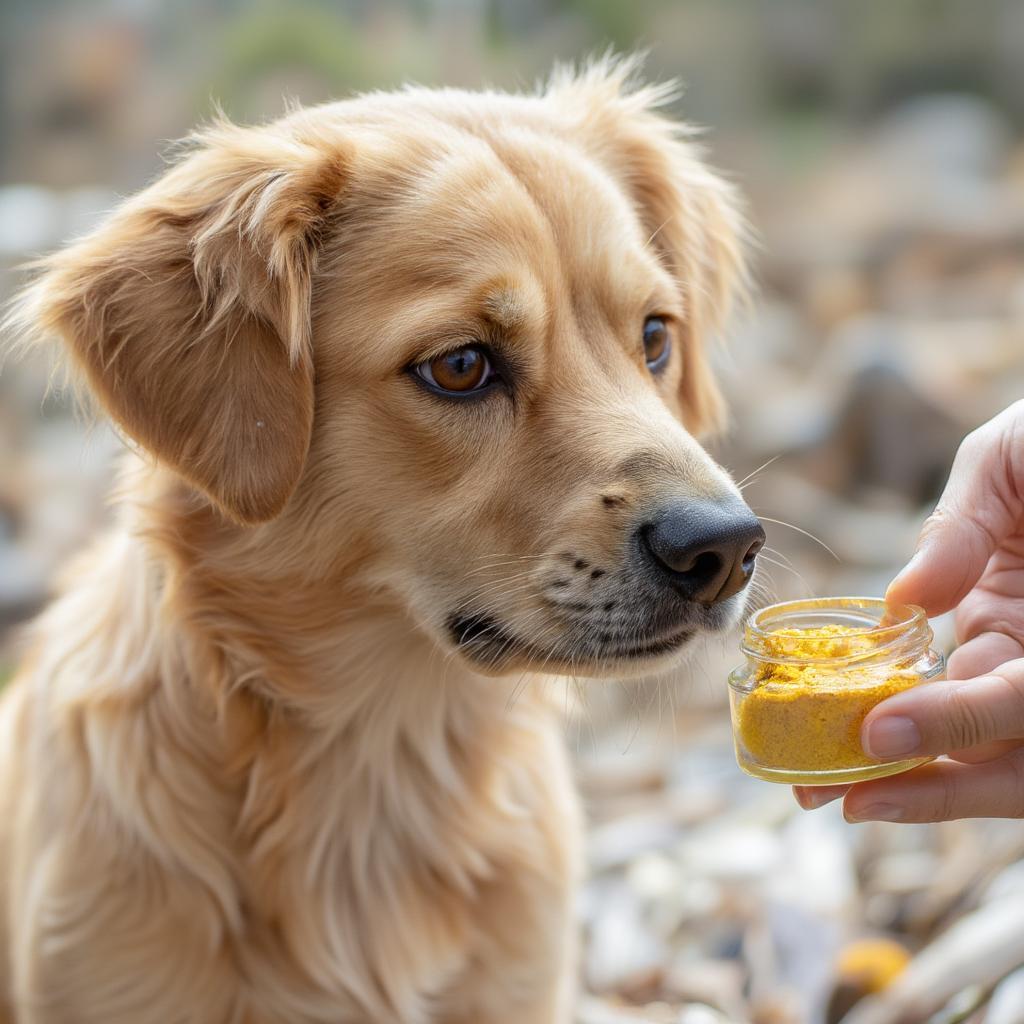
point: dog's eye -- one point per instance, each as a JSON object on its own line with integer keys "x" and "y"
{"x": 657, "y": 343}
{"x": 459, "y": 372}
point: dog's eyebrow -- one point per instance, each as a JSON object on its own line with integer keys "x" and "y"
{"x": 506, "y": 304}
{"x": 504, "y": 308}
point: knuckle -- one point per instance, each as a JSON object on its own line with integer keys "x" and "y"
{"x": 948, "y": 799}
{"x": 934, "y": 523}
{"x": 958, "y": 664}
{"x": 973, "y": 619}
{"x": 1011, "y": 678}
{"x": 1012, "y": 672}
{"x": 964, "y": 722}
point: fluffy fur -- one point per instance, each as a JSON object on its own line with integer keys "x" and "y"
{"x": 282, "y": 750}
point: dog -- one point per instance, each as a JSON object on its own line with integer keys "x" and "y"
{"x": 412, "y": 386}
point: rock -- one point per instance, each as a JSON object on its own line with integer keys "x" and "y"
{"x": 817, "y": 873}
{"x": 962, "y": 1006}
{"x": 1007, "y": 884}
{"x": 716, "y": 983}
{"x": 654, "y": 877}
{"x": 596, "y": 1011}
{"x": 901, "y": 873}
{"x": 699, "y": 1014}
{"x": 732, "y": 853}
{"x": 622, "y": 952}
{"x": 977, "y": 950}
{"x": 1007, "y": 1003}
{"x": 615, "y": 843}
{"x": 605, "y": 775}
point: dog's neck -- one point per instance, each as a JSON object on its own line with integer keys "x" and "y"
{"x": 222, "y": 635}
{"x": 319, "y": 647}
{"x": 282, "y": 696}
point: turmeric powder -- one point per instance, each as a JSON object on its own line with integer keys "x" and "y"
{"x": 798, "y": 714}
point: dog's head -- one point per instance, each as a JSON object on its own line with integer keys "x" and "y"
{"x": 452, "y": 342}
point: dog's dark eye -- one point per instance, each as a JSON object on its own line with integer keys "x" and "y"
{"x": 459, "y": 372}
{"x": 657, "y": 343}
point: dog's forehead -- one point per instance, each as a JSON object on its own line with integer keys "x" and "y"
{"x": 506, "y": 224}
{"x": 513, "y": 196}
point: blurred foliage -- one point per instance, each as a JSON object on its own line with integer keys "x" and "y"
{"x": 126, "y": 72}
{"x": 304, "y": 36}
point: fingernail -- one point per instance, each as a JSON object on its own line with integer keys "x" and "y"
{"x": 810, "y": 798}
{"x": 894, "y": 736}
{"x": 874, "y": 812}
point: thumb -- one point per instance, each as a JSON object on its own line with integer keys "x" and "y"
{"x": 977, "y": 511}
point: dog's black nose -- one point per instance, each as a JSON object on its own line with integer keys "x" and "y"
{"x": 706, "y": 549}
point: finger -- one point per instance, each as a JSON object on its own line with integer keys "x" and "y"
{"x": 974, "y": 658}
{"x": 982, "y": 654}
{"x": 985, "y": 752}
{"x": 996, "y": 604}
{"x": 942, "y": 791}
{"x": 978, "y": 509}
{"x": 952, "y": 715}
{"x": 811, "y": 797}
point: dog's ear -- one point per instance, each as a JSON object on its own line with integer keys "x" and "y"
{"x": 690, "y": 215}
{"x": 189, "y": 311}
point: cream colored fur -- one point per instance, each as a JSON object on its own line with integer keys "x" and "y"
{"x": 245, "y": 776}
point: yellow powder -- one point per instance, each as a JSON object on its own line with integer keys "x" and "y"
{"x": 808, "y": 717}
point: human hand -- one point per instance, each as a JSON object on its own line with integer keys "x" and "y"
{"x": 970, "y": 556}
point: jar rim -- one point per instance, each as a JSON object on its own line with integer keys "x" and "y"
{"x": 893, "y": 631}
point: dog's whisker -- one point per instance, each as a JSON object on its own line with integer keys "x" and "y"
{"x": 778, "y": 554}
{"x": 760, "y": 592}
{"x": 493, "y": 660}
{"x": 514, "y": 555}
{"x": 786, "y": 563}
{"x": 670, "y": 684}
{"x": 637, "y": 722}
{"x": 517, "y": 692}
{"x": 498, "y": 588}
{"x": 511, "y": 576}
{"x": 523, "y": 581}
{"x": 480, "y": 570}
{"x": 799, "y": 529}
{"x": 750, "y": 477}
{"x": 782, "y": 565}
{"x": 508, "y": 559}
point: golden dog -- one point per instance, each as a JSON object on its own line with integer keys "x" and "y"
{"x": 414, "y": 380}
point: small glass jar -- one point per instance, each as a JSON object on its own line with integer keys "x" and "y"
{"x": 814, "y": 670}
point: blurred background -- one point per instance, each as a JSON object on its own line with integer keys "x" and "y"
{"x": 881, "y": 148}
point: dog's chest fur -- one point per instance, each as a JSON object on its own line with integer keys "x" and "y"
{"x": 283, "y": 872}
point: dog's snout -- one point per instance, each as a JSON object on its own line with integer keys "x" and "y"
{"x": 706, "y": 549}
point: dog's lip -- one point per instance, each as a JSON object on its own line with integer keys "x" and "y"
{"x": 652, "y": 647}
{"x": 468, "y": 627}
{"x": 493, "y": 637}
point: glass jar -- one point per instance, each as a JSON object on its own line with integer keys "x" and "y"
{"x": 814, "y": 670}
